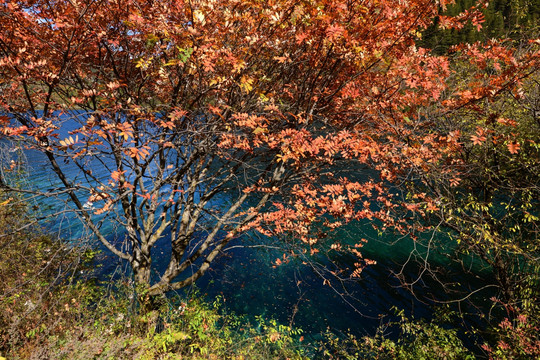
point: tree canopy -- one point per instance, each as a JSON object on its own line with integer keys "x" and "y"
{"x": 194, "y": 122}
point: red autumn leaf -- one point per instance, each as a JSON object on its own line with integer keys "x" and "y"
{"x": 478, "y": 140}
{"x": 513, "y": 147}
{"x": 117, "y": 175}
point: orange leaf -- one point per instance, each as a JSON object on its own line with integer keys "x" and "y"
{"x": 477, "y": 140}
{"x": 513, "y": 147}
{"x": 116, "y": 175}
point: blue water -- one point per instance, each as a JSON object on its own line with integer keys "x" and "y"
{"x": 293, "y": 293}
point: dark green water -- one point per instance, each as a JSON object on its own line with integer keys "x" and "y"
{"x": 295, "y": 294}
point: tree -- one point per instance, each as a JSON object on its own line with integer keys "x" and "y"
{"x": 484, "y": 191}
{"x": 195, "y": 122}
{"x": 500, "y": 19}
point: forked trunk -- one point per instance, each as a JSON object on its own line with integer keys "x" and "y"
{"x": 141, "y": 265}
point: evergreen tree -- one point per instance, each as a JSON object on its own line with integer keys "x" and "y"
{"x": 502, "y": 18}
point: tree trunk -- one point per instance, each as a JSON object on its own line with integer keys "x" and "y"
{"x": 141, "y": 265}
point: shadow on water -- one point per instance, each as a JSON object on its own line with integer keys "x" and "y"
{"x": 295, "y": 294}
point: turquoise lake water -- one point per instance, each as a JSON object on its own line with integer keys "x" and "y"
{"x": 292, "y": 293}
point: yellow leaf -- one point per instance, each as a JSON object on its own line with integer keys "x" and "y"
{"x": 246, "y": 84}
{"x": 172, "y": 62}
{"x": 2, "y": 204}
{"x": 199, "y": 16}
{"x": 239, "y": 66}
{"x": 259, "y": 130}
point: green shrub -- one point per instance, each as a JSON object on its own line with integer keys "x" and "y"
{"x": 416, "y": 340}
{"x": 38, "y": 292}
{"x": 180, "y": 329}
